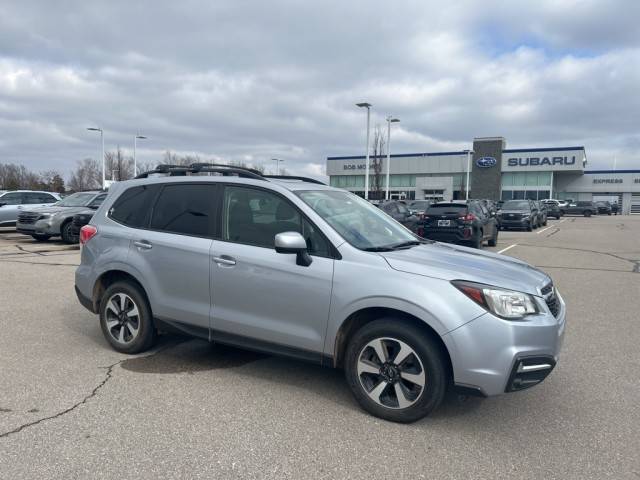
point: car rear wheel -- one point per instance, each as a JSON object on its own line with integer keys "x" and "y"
{"x": 395, "y": 370}
{"x": 125, "y": 318}
{"x": 40, "y": 238}
{"x": 587, "y": 213}
{"x": 68, "y": 234}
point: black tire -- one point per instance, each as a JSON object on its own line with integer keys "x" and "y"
{"x": 557, "y": 217}
{"x": 68, "y": 234}
{"x": 146, "y": 331}
{"x": 429, "y": 360}
{"x": 609, "y": 213}
{"x": 530, "y": 227}
{"x": 40, "y": 238}
{"x": 493, "y": 241}
{"x": 587, "y": 213}
{"x": 545, "y": 223}
{"x": 476, "y": 241}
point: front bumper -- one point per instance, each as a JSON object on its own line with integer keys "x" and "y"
{"x": 493, "y": 356}
{"x": 40, "y": 227}
{"x": 518, "y": 223}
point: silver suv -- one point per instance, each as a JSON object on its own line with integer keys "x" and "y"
{"x": 291, "y": 266}
{"x": 12, "y": 203}
{"x": 42, "y": 223}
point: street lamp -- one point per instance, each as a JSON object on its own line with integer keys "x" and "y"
{"x": 277, "y": 160}
{"x": 469, "y": 152}
{"x": 94, "y": 129}
{"x": 390, "y": 120}
{"x": 135, "y": 164}
{"x": 366, "y": 172}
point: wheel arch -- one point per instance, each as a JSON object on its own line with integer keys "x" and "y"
{"x": 366, "y": 315}
{"x": 109, "y": 278}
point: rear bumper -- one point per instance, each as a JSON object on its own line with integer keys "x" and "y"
{"x": 84, "y": 300}
{"x": 460, "y": 235}
{"x": 492, "y": 356}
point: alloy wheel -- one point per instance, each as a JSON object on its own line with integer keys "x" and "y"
{"x": 391, "y": 373}
{"x": 122, "y": 318}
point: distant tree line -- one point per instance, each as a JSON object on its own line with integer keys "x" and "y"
{"x": 87, "y": 173}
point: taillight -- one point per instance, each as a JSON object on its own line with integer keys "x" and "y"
{"x": 469, "y": 217}
{"x": 87, "y": 233}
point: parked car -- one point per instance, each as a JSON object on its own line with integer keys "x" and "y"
{"x": 13, "y": 202}
{"x": 604, "y": 208}
{"x": 56, "y": 220}
{"x": 399, "y": 211}
{"x": 80, "y": 220}
{"x": 541, "y": 214}
{"x": 520, "y": 214}
{"x": 297, "y": 268}
{"x": 585, "y": 208}
{"x": 553, "y": 208}
{"x": 462, "y": 222}
{"x": 418, "y": 207}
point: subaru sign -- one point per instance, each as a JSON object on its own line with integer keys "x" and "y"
{"x": 486, "y": 162}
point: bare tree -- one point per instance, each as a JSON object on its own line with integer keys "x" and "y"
{"x": 118, "y": 166}
{"x": 52, "y": 181}
{"x": 86, "y": 176}
{"x": 378, "y": 151}
{"x": 14, "y": 177}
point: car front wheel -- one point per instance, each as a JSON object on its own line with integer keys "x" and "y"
{"x": 125, "y": 318}
{"x": 395, "y": 370}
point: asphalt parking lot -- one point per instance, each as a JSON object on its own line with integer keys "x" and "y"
{"x": 71, "y": 407}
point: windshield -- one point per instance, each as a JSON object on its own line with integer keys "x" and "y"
{"x": 516, "y": 205}
{"x": 361, "y": 224}
{"x": 76, "y": 200}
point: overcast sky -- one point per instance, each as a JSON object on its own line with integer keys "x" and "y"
{"x": 242, "y": 80}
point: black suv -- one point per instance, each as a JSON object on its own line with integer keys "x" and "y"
{"x": 462, "y": 222}
{"x": 522, "y": 214}
{"x": 604, "y": 208}
{"x": 581, "y": 208}
{"x": 553, "y": 208}
{"x": 400, "y": 213}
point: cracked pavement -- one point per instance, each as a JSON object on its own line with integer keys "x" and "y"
{"x": 70, "y": 407}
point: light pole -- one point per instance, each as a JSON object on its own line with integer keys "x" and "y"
{"x": 95, "y": 129}
{"x": 390, "y": 120}
{"x": 277, "y": 160}
{"x": 469, "y": 152}
{"x": 135, "y": 164}
{"x": 366, "y": 173}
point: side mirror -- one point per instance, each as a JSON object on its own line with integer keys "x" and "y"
{"x": 2, "y": 204}
{"x": 293, "y": 242}
{"x": 94, "y": 207}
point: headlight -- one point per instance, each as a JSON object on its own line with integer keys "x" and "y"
{"x": 507, "y": 304}
{"x": 44, "y": 216}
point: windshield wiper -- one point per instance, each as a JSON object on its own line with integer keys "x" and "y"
{"x": 378, "y": 249}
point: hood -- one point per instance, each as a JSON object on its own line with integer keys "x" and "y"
{"x": 521, "y": 212}
{"x": 454, "y": 262}
{"x": 53, "y": 209}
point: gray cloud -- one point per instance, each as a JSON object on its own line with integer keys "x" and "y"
{"x": 256, "y": 80}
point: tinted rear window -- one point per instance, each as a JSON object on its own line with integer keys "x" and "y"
{"x": 133, "y": 207}
{"x": 446, "y": 209}
{"x": 187, "y": 209}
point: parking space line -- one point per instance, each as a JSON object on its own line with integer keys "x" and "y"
{"x": 505, "y": 249}
{"x": 545, "y": 229}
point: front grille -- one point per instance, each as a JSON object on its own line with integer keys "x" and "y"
{"x": 28, "y": 218}
{"x": 550, "y": 298}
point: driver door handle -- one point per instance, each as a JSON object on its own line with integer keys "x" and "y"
{"x": 225, "y": 260}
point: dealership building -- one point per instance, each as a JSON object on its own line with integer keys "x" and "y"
{"x": 494, "y": 172}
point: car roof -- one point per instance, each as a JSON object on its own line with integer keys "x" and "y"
{"x": 2, "y": 192}
{"x": 274, "y": 183}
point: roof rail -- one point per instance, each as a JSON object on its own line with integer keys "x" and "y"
{"x": 295, "y": 177}
{"x": 204, "y": 165}
{"x": 182, "y": 170}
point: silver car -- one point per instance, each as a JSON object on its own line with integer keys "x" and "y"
{"x": 12, "y": 203}
{"x": 294, "y": 267}
{"x": 57, "y": 220}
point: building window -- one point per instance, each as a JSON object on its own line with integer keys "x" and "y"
{"x": 507, "y": 194}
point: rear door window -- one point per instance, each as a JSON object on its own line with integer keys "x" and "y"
{"x": 13, "y": 198}
{"x": 187, "y": 209}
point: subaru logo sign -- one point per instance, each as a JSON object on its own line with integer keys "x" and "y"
{"x": 486, "y": 162}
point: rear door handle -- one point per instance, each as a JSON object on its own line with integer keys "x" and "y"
{"x": 143, "y": 244}
{"x": 225, "y": 260}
